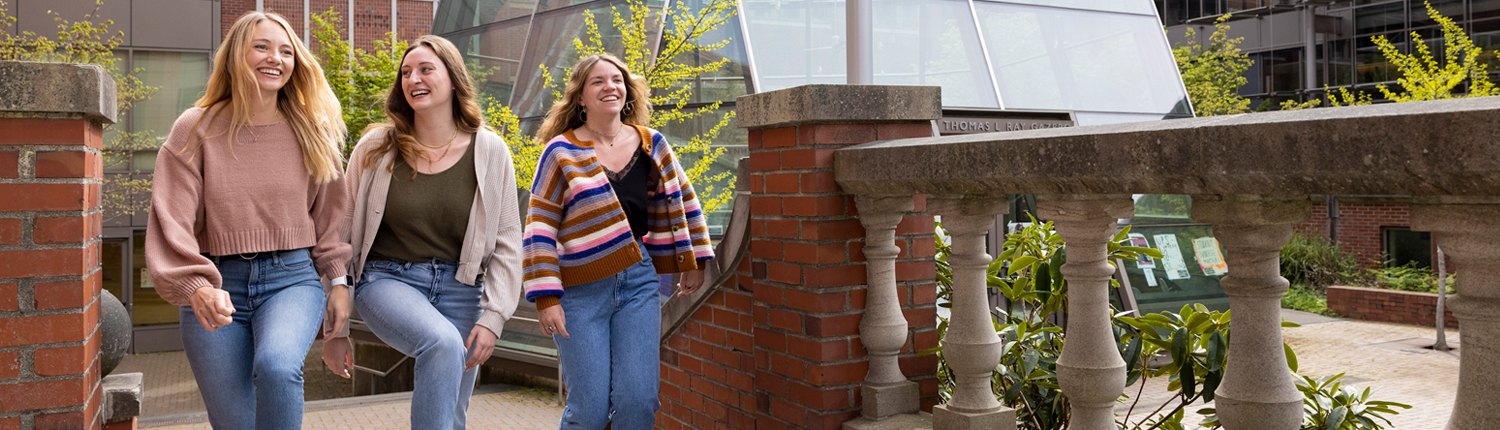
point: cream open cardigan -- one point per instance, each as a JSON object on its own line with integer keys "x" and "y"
{"x": 492, "y": 243}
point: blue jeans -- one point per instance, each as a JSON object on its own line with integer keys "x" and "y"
{"x": 613, "y": 359}
{"x": 422, "y": 311}
{"x": 250, "y": 371}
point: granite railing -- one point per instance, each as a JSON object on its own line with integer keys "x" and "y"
{"x": 1248, "y": 175}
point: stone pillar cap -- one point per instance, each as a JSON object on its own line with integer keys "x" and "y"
{"x": 839, "y": 104}
{"x": 56, "y": 90}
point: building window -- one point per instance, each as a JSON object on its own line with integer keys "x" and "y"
{"x": 1402, "y": 246}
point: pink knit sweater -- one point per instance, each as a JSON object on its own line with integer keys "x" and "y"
{"x": 254, "y": 196}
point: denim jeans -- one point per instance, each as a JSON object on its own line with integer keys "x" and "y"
{"x": 250, "y": 371}
{"x": 422, "y": 311}
{"x": 612, "y": 361}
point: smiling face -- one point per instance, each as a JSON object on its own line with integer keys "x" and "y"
{"x": 604, "y": 90}
{"x": 425, "y": 81}
{"x": 271, "y": 57}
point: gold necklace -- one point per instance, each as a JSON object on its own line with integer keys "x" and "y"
{"x": 426, "y": 155}
{"x": 597, "y": 134}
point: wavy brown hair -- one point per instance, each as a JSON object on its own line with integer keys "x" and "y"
{"x": 566, "y": 113}
{"x": 399, "y": 131}
{"x": 307, "y": 102}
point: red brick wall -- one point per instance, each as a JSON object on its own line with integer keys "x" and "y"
{"x": 371, "y": 18}
{"x": 1359, "y": 227}
{"x": 806, "y": 281}
{"x": 1404, "y": 307}
{"x": 50, "y": 172}
{"x": 708, "y": 365}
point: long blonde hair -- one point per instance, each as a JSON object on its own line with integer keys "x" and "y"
{"x": 398, "y": 132}
{"x": 566, "y": 114}
{"x": 306, "y": 101}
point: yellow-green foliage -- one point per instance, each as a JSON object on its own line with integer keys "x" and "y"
{"x": 359, "y": 79}
{"x": 87, "y": 42}
{"x": 666, "y": 72}
{"x": 1213, "y": 74}
{"x": 1422, "y": 78}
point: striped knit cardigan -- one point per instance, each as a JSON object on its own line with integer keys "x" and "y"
{"x": 577, "y": 233}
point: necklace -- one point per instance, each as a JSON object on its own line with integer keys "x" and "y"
{"x": 427, "y": 155}
{"x": 596, "y": 133}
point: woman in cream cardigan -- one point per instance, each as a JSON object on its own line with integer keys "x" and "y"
{"x": 435, "y": 235}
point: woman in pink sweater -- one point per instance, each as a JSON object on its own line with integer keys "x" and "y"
{"x": 246, "y": 209}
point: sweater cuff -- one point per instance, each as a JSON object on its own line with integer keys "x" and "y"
{"x": 544, "y": 302}
{"x": 493, "y": 321}
{"x": 183, "y": 291}
{"x": 330, "y": 271}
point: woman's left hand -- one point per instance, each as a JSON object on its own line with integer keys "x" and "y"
{"x": 690, "y": 282}
{"x": 481, "y": 343}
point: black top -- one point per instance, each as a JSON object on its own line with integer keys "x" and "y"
{"x": 630, "y": 188}
{"x": 426, "y": 216}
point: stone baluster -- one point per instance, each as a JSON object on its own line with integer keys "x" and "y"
{"x": 883, "y": 328}
{"x": 1090, "y": 370}
{"x": 971, "y": 348}
{"x": 1468, "y": 229}
{"x": 1258, "y": 391}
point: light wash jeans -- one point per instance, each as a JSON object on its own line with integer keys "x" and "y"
{"x": 422, "y": 311}
{"x": 612, "y": 361}
{"x": 250, "y": 371}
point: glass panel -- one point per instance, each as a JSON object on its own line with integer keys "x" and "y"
{"x": 180, "y": 79}
{"x": 111, "y": 257}
{"x": 1486, "y": 36}
{"x": 495, "y": 56}
{"x": 1047, "y": 58}
{"x": 1172, "y": 11}
{"x": 143, "y": 161}
{"x": 1128, "y": 6}
{"x": 1450, "y": 8}
{"x": 1371, "y": 64}
{"x": 796, "y": 42}
{"x": 1403, "y": 246}
{"x": 1341, "y": 65}
{"x": 733, "y": 78}
{"x": 114, "y": 160}
{"x": 1484, "y": 8}
{"x": 1379, "y": 19}
{"x": 932, "y": 42}
{"x": 454, "y": 15}
{"x": 1283, "y": 69}
{"x": 1168, "y": 283}
{"x": 551, "y": 44}
{"x": 732, "y": 139}
{"x": 148, "y": 307}
{"x": 547, "y": 5}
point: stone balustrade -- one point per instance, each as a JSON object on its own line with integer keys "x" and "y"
{"x": 1249, "y": 175}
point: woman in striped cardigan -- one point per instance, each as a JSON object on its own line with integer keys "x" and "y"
{"x": 610, "y": 209}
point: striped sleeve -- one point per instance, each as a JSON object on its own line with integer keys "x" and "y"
{"x": 541, "y": 275}
{"x": 678, "y": 189}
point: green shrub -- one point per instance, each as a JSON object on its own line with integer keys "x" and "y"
{"x": 1317, "y": 262}
{"x": 1306, "y": 299}
{"x": 1410, "y": 277}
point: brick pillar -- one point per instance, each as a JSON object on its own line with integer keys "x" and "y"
{"x": 50, "y": 173}
{"x": 807, "y": 264}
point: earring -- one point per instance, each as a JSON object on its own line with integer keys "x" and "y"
{"x": 583, "y": 115}
{"x": 629, "y": 107}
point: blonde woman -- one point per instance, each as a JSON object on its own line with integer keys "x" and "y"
{"x": 246, "y": 210}
{"x": 437, "y": 261}
{"x": 610, "y": 209}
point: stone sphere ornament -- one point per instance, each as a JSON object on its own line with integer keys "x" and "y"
{"x": 114, "y": 332}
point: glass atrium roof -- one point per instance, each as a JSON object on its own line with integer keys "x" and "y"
{"x": 1106, "y": 60}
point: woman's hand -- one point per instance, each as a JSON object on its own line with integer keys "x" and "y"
{"x": 338, "y": 355}
{"x": 212, "y": 307}
{"x": 337, "y": 312}
{"x": 481, "y": 343}
{"x": 553, "y": 322}
{"x": 690, "y": 282}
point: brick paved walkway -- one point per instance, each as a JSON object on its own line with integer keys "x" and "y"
{"x": 1379, "y": 355}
